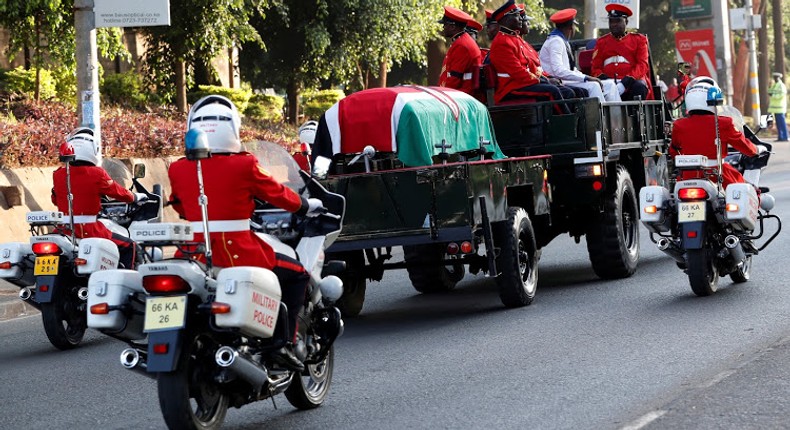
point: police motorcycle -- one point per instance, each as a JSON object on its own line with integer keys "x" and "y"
{"x": 209, "y": 335}
{"x": 52, "y": 270}
{"x": 710, "y": 231}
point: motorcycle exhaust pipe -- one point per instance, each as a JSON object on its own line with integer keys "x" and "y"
{"x": 25, "y": 294}
{"x": 733, "y": 245}
{"x": 82, "y": 293}
{"x": 131, "y": 359}
{"x": 252, "y": 372}
{"x": 668, "y": 247}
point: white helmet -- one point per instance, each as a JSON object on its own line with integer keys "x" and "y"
{"x": 697, "y": 94}
{"x": 85, "y": 146}
{"x": 219, "y": 118}
{"x": 307, "y": 132}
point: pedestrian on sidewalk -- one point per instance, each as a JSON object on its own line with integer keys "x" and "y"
{"x": 778, "y": 106}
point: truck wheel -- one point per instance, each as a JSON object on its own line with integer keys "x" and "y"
{"x": 703, "y": 276}
{"x": 613, "y": 240}
{"x": 354, "y": 284}
{"x": 430, "y": 276}
{"x": 517, "y": 260}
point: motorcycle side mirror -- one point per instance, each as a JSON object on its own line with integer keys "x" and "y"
{"x": 196, "y": 143}
{"x": 138, "y": 170}
{"x": 766, "y": 121}
{"x": 321, "y": 167}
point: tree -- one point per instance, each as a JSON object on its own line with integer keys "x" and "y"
{"x": 199, "y": 31}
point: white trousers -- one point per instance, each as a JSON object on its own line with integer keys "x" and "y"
{"x": 609, "y": 92}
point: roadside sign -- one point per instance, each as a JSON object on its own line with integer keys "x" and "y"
{"x": 124, "y": 13}
{"x": 691, "y": 9}
{"x": 697, "y": 47}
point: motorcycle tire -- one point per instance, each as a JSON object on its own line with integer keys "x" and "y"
{"x": 188, "y": 397}
{"x": 742, "y": 274}
{"x": 309, "y": 389}
{"x": 354, "y": 284}
{"x": 65, "y": 319}
{"x": 703, "y": 276}
{"x": 613, "y": 239}
{"x": 518, "y": 259}
{"x": 430, "y": 276}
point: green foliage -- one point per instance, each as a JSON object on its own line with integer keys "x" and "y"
{"x": 23, "y": 82}
{"x": 65, "y": 84}
{"x": 265, "y": 107}
{"x": 314, "y": 103}
{"x": 124, "y": 89}
{"x": 239, "y": 96}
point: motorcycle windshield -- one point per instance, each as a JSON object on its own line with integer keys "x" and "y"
{"x": 118, "y": 171}
{"x": 278, "y": 162}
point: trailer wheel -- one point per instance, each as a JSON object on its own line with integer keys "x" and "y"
{"x": 430, "y": 276}
{"x": 517, "y": 260}
{"x": 354, "y": 283}
{"x": 613, "y": 241}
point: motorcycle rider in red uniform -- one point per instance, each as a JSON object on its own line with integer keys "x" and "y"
{"x": 89, "y": 183}
{"x": 463, "y": 56}
{"x": 233, "y": 179}
{"x": 696, "y": 133}
{"x": 306, "y": 139}
{"x": 623, "y": 56}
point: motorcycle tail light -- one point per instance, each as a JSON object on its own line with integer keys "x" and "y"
{"x": 100, "y": 309}
{"x": 732, "y": 207}
{"x": 46, "y": 248}
{"x": 466, "y": 247}
{"x": 691, "y": 234}
{"x": 692, "y": 194}
{"x": 80, "y": 261}
{"x": 5, "y": 265}
{"x": 220, "y": 308}
{"x": 651, "y": 209}
{"x": 165, "y": 284}
{"x": 160, "y": 348}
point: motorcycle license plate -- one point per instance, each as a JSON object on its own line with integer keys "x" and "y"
{"x": 47, "y": 265}
{"x": 164, "y": 313}
{"x": 691, "y": 211}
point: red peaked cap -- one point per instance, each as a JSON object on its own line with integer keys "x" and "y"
{"x": 564, "y": 15}
{"x": 474, "y": 25}
{"x": 489, "y": 18}
{"x": 455, "y": 16}
{"x": 503, "y": 10}
{"x": 618, "y": 10}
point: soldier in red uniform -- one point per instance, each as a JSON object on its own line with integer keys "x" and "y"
{"x": 473, "y": 28}
{"x": 89, "y": 182}
{"x": 232, "y": 180}
{"x": 464, "y": 54}
{"x": 517, "y": 64}
{"x": 623, "y": 56}
{"x": 696, "y": 134}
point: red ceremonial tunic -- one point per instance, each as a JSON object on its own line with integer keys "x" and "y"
{"x": 231, "y": 181}
{"x": 462, "y": 58}
{"x": 517, "y": 64}
{"x": 88, "y": 185}
{"x": 696, "y": 135}
{"x": 626, "y": 56}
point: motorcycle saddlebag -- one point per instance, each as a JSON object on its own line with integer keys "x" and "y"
{"x": 114, "y": 288}
{"x": 253, "y": 294}
{"x": 651, "y": 202}
{"x": 15, "y": 253}
{"x": 99, "y": 254}
{"x": 742, "y": 206}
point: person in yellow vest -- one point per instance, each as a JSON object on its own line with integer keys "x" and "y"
{"x": 778, "y": 106}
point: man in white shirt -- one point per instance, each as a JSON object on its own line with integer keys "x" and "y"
{"x": 557, "y": 59}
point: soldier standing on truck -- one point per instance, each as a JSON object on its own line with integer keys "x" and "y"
{"x": 463, "y": 55}
{"x": 623, "y": 57}
{"x": 557, "y": 59}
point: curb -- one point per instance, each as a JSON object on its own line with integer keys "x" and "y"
{"x": 16, "y": 309}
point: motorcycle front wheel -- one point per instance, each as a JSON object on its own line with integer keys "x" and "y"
{"x": 309, "y": 389}
{"x": 189, "y": 396}
{"x": 703, "y": 276}
{"x": 65, "y": 319}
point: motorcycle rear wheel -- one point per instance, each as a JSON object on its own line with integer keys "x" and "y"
{"x": 188, "y": 396}
{"x": 703, "y": 276}
{"x": 743, "y": 273}
{"x": 65, "y": 319}
{"x": 308, "y": 390}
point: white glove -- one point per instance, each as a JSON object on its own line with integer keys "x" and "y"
{"x": 140, "y": 197}
{"x": 761, "y": 149}
{"x": 313, "y": 207}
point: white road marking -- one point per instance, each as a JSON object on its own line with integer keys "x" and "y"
{"x": 643, "y": 420}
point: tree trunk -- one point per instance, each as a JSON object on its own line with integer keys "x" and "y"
{"x": 383, "y": 74}
{"x": 436, "y": 51}
{"x": 779, "y": 38}
{"x": 764, "y": 69}
{"x": 181, "y": 86}
{"x": 293, "y": 100}
{"x": 740, "y": 71}
{"x": 37, "y": 90}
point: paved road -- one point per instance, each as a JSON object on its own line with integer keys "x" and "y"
{"x": 643, "y": 352}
